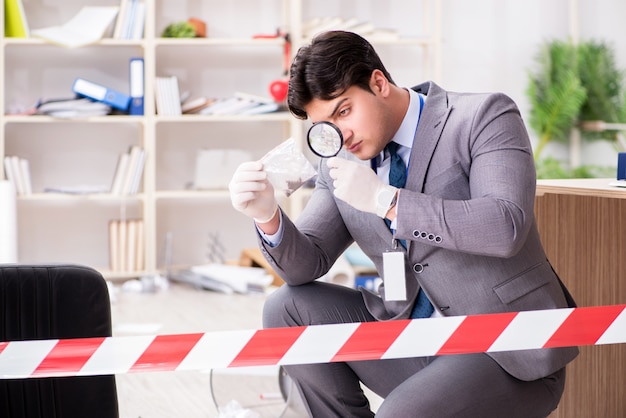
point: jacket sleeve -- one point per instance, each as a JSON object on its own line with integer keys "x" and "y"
{"x": 310, "y": 246}
{"x": 479, "y": 190}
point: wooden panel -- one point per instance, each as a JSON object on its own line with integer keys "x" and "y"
{"x": 584, "y": 237}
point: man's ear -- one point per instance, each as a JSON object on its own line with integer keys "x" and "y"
{"x": 379, "y": 83}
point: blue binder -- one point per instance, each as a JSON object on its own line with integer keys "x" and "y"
{"x": 136, "y": 81}
{"x": 100, "y": 93}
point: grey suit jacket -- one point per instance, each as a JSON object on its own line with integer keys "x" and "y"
{"x": 466, "y": 213}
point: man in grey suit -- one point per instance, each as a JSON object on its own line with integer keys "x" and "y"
{"x": 461, "y": 239}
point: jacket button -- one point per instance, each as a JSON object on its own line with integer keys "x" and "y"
{"x": 438, "y": 238}
{"x": 423, "y": 234}
{"x": 419, "y": 267}
{"x": 416, "y": 233}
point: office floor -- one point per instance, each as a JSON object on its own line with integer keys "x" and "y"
{"x": 183, "y": 309}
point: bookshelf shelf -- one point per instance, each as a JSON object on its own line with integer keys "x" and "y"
{"x": 267, "y": 117}
{"x": 191, "y": 194}
{"x": 81, "y": 197}
{"x": 231, "y": 59}
{"x": 167, "y": 42}
{"x": 107, "y": 42}
{"x": 36, "y": 119}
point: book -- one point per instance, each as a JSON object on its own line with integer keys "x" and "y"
{"x": 114, "y": 258}
{"x": 261, "y": 108}
{"x": 126, "y": 245}
{"x": 88, "y": 26}
{"x": 256, "y": 98}
{"x": 131, "y": 245}
{"x": 24, "y": 167}
{"x": 167, "y": 94}
{"x": 122, "y": 241}
{"x": 139, "y": 19}
{"x": 240, "y": 104}
{"x": 129, "y": 171}
{"x": 195, "y": 105}
{"x": 137, "y": 173}
{"x": 17, "y": 171}
{"x": 130, "y": 20}
{"x": 139, "y": 248}
{"x": 120, "y": 174}
{"x": 135, "y": 167}
{"x": 15, "y": 23}
{"x": 9, "y": 172}
{"x": 121, "y": 20}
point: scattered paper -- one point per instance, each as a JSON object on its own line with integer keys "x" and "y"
{"x": 239, "y": 278}
{"x": 234, "y": 410}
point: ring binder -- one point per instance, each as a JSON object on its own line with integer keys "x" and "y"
{"x": 100, "y": 93}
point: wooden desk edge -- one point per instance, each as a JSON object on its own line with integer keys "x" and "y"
{"x": 582, "y": 187}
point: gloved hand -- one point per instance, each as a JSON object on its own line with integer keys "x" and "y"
{"x": 251, "y": 193}
{"x": 359, "y": 186}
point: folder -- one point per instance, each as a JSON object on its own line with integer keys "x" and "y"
{"x": 136, "y": 86}
{"x": 100, "y": 93}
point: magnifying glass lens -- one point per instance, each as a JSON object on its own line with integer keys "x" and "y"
{"x": 325, "y": 139}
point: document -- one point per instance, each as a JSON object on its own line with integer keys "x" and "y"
{"x": 87, "y": 27}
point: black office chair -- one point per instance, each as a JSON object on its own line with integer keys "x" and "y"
{"x": 48, "y": 302}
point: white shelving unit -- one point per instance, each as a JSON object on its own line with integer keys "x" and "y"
{"x": 68, "y": 228}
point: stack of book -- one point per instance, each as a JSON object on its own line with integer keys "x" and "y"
{"x": 72, "y": 108}
{"x": 129, "y": 171}
{"x": 126, "y": 251}
{"x": 130, "y": 20}
{"x": 241, "y": 104}
{"x": 17, "y": 171}
{"x": 168, "y": 101}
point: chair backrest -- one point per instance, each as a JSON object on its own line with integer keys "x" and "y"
{"x": 48, "y": 302}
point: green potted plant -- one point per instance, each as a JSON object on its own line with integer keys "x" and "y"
{"x": 556, "y": 93}
{"x": 575, "y": 85}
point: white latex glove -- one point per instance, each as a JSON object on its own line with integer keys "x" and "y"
{"x": 359, "y": 186}
{"x": 251, "y": 193}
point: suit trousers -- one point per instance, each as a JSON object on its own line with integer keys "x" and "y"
{"x": 469, "y": 385}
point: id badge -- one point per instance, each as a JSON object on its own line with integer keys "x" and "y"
{"x": 393, "y": 272}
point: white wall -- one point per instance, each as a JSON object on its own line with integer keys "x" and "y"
{"x": 490, "y": 45}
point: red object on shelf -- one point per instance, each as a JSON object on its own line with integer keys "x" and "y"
{"x": 278, "y": 90}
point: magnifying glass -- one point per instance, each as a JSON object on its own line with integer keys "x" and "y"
{"x": 324, "y": 139}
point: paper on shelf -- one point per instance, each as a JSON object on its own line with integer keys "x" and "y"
{"x": 86, "y": 27}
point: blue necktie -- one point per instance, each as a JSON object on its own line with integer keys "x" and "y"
{"x": 397, "y": 178}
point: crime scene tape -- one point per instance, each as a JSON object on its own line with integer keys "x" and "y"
{"x": 508, "y": 331}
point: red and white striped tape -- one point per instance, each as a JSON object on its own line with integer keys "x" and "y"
{"x": 315, "y": 344}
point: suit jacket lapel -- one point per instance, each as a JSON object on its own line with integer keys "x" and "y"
{"x": 432, "y": 121}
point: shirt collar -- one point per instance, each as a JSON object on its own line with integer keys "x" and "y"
{"x": 405, "y": 134}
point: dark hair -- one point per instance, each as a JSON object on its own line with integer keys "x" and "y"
{"x": 325, "y": 69}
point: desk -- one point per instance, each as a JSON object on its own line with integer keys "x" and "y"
{"x": 582, "y": 223}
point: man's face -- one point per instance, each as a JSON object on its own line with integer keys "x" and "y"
{"x": 362, "y": 117}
